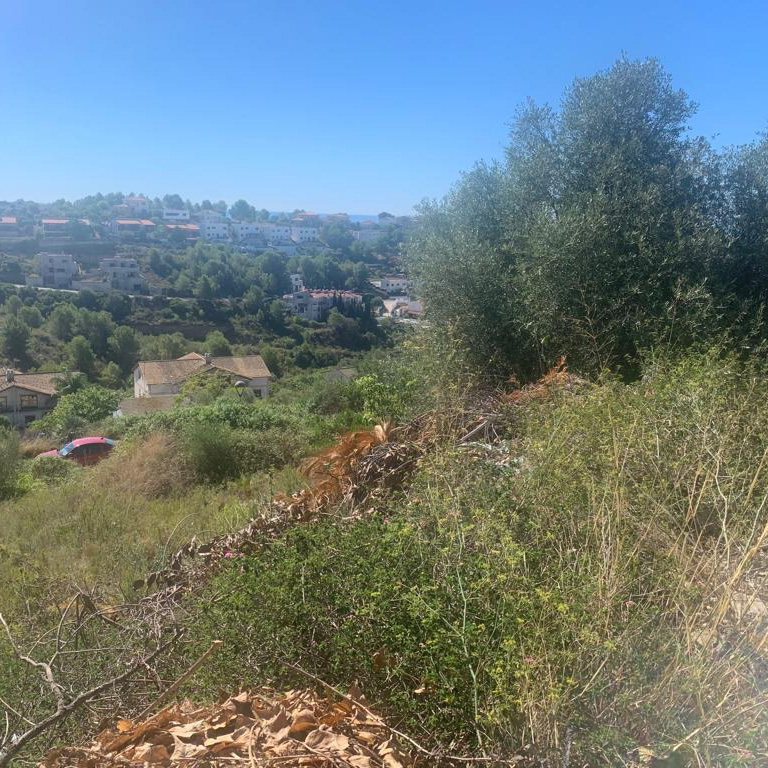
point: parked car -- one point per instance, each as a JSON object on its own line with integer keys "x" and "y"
{"x": 84, "y": 450}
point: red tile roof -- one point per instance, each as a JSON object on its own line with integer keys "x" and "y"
{"x": 8, "y": 220}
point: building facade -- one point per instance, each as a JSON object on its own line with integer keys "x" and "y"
{"x": 154, "y": 378}
{"x": 302, "y": 234}
{"x": 175, "y": 214}
{"x": 57, "y": 270}
{"x": 215, "y": 231}
{"x": 123, "y": 274}
{"x": 315, "y": 305}
{"x": 26, "y": 397}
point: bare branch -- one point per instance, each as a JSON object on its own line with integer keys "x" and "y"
{"x": 67, "y": 708}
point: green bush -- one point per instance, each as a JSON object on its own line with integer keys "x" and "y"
{"x": 52, "y": 470}
{"x": 559, "y": 588}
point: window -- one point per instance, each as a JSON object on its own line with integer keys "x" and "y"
{"x": 28, "y": 401}
{"x": 3, "y": 404}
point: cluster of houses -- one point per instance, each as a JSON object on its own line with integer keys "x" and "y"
{"x": 61, "y": 271}
{"x": 28, "y": 397}
{"x": 136, "y": 219}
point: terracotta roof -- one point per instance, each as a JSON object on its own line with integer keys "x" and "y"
{"x": 175, "y": 371}
{"x": 55, "y": 221}
{"x": 8, "y": 220}
{"x": 42, "y": 383}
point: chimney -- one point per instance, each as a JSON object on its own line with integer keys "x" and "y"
{"x": 207, "y": 357}
{"x": 9, "y": 375}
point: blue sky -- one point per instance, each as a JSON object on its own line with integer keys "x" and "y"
{"x": 329, "y": 106}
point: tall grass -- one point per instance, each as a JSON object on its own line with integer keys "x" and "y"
{"x": 597, "y": 590}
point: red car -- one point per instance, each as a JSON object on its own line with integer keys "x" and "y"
{"x": 84, "y": 450}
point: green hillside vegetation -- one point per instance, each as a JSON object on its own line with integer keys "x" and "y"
{"x": 103, "y": 336}
{"x": 561, "y": 561}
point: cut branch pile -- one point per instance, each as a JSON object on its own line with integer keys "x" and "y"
{"x": 262, "y": 728}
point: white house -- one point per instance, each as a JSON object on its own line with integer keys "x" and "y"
{"x": 393, "y": 284}
{"x": 152, "y": 378}
{"x": 315, "y": 305}
{"x": 301, "y": 234}
{"x": 274, "y": 233}
{"x": 123, "y": 274}
{"x": 175, "y": 214}
{"x": 243, "y": 229}
{"x": 26, "y": 397}
{"x": 215, "y": 231}
{"x": 138, "y": 206}
{"x": 57, "y": 270}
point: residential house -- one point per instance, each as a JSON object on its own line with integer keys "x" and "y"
{"x": 175, "y": 214}
{"x": 215, "y": 231}
{"x": 152, "y": 378}
{"x": 27, "y": 397}
{"x": 9, "y": 226}
{"x": 54, "y": 228}
{"x": 393, "y": 284}
{"x": 303, "y": 234}
{"x": 57, "y": 270}
{"x": 243, "y": 229}
{"x": 131, "y": 229}
{"x": 138, "y": 205}
{"x": 275, "y": 233}
{"x": 315, "y": 305}
{"x": 297, "y": 283}
{"x": 189, "y": 231}
{"x": 122, "y": 274}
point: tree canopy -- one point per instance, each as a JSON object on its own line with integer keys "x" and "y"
{"x": 607, "y": 229}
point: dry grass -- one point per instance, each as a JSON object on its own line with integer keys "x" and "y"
{"x": 29, "y": 447}
{"x": 153, "y": 467}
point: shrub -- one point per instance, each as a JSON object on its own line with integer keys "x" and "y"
{"x": 9, "y": 461}
{"x": 581, "y": 589}
{"x": 52, "y": 470}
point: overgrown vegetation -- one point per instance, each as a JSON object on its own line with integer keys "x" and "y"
{"x": 572, "y": 586}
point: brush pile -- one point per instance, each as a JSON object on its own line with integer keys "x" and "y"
{"x": 255, "y": 729}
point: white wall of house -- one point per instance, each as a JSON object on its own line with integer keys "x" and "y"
{"x": 23, "y": 406}
{"x": 242, "y": 229}
{"x": 275, "y": 232}
{"x": 57, "y": 270}
{"x": 303, "y": 234}
{"x": 175, "y": 214}
{"x": 214, "y": 230}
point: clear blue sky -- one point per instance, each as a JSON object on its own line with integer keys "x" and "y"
{"x": 329, "y": 106}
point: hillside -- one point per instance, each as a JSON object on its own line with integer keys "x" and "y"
{"x": 532, "y": 532}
